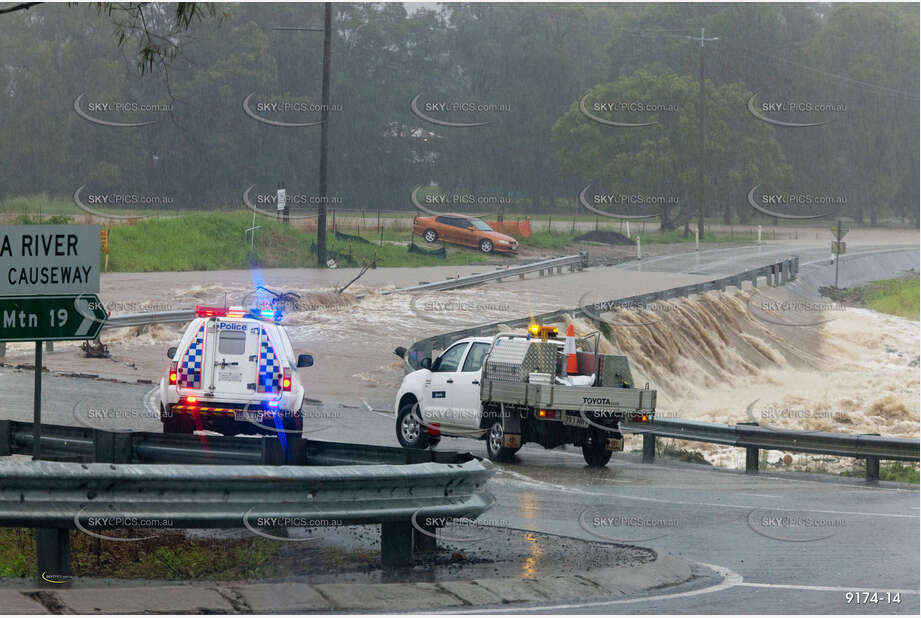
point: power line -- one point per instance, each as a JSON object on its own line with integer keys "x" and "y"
{"x": 843, "y": 78}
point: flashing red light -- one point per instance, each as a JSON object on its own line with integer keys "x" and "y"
{"x": 286, "y": 380}
{"x": 173, "y": 372}
{"x": 191, "y": 399}
{"x": 219, "y": 312}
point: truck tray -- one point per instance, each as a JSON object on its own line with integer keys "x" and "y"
{"x": 562, "y": 397}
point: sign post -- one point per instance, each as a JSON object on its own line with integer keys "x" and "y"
{"x": 49, "y": 278}
{"x": 837, "y": 246}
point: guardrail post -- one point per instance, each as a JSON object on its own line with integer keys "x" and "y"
{"x": 872, "y": 469}
{"x": 751, "y": 460}
{"x": 794, "y": 267}
{"x": 49, "y": 346}
{"x": 2, "y": 349}
{"x": 649, "y": 447}
{"x": 521, "y": 276}
{"x": 425, "y": 541}
{"x": 52, "y": 548}
{"x": 396, "y": 543}
{"x": 6, "y": 438}
{"x": 111, "y": 447}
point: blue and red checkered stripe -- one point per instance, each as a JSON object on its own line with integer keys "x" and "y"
{"x": 190, "y": 367}
{"x": 269, "y": 366}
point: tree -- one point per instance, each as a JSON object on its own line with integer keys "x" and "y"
{"x": 661, "y": 160}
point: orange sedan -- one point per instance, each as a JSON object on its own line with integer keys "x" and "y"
{"x": 464, "y": 230}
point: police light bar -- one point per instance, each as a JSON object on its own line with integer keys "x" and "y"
{"x": 219, "y": 312}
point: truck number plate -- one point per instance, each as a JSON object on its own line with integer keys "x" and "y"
{"x": 229, "y": 376}
{"x": 247, "y": 415}
{"x": 575, "y": 421}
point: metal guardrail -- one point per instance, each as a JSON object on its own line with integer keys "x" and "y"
{"x": 574, "y": 262}
{"x": 753, "y": 438}
{"x": 293, "y": 478}
{"x": 153, "y": 317}
{"x": 142, "y": 447}
{"x": 778, "y": 273}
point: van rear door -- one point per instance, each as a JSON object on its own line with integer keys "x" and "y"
{"x": 230, "y": 372}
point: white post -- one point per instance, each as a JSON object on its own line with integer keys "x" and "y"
{"x": 639, "y": 249}
{"x": 759, "y": 234}
{"x": 696, "y": 240}
{"x": 628, "y": 229}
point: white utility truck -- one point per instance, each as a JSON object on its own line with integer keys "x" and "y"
{"x": 512, "y": 388}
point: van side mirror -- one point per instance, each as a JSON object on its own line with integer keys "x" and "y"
{"x": 171, "y": 353}
{"x": 305, "y": 360}
{"x": 426, "y": 363}
{"x": 400, "y": 351}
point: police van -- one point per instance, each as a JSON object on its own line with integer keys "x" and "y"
{"x": 234, "y": 371}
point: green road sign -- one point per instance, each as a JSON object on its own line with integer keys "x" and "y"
{"x": 51, "y": 318}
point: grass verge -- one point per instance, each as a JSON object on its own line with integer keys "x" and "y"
{"x": 216, "y": 242}
{"x": 899, "y": 297}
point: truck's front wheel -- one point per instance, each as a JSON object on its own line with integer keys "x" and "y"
{"x": 595, "y": 452}
{"x": 410, "y": 431}
{"x": 495, "y": 444}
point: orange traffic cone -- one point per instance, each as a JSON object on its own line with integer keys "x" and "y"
{"x": 569, "y": 349}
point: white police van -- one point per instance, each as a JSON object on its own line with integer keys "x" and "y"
{"x": 234, "y": 371}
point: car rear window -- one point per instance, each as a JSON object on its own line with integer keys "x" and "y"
{"x": 231, "y": 342}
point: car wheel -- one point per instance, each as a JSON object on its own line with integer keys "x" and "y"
{"x": 410, "y": 431}
{"x": 595, "y": 452}
{"x": 430, "y": 235}
{"x": 495, "y": 444}
{"x": 486, "y": 245}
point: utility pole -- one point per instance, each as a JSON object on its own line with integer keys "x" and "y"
{"x": 324, "y": 128}
{"x": 701, "y": 159}
{"x": 324, "y": 135}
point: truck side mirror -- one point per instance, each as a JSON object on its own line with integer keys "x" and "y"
{"x": 171, "y": 353}
{"x": 426, "y": 363}
{"x": 400, "y": 351}
{"x": 305, "y": 360}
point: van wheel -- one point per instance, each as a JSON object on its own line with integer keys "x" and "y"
{"x": 486, "y": 245}
{"x": 430, "y": 235}
{"x": 175, "y": 423}
{"x": 410, "y": 431}
{"x": 294, "y": 425}
{"x": 595, "y": 452}
{"x": 495, "y": 444}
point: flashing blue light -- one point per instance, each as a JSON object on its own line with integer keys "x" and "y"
{"x": 273, "y": 404}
